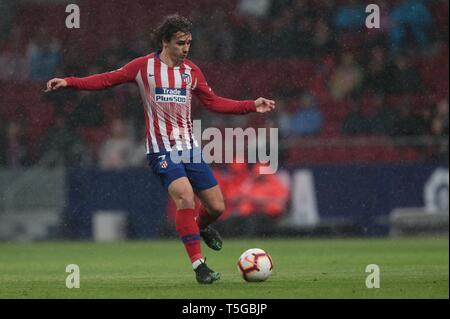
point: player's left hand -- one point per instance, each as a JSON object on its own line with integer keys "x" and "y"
{"x": 264, "y": 105}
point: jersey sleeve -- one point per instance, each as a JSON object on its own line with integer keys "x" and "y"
{"x": 101, "y": 81}
{"x": 215, "y": 103}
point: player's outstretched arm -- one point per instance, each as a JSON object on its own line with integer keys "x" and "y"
{"x": 264, "y": 105}
{"x": 101, "y": 81}
{"x": 55, "y": 84}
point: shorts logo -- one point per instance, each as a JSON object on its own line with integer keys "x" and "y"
{"x": 163, "y": 164}
{"x": 170, "y": 95}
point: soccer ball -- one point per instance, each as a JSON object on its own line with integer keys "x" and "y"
{"x": 255, "y": 265}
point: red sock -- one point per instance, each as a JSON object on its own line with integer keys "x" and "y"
{"x": 189, "y": 233}
{"x": 204, "y": 218}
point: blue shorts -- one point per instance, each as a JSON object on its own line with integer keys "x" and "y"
{"x": 191, "y": 166}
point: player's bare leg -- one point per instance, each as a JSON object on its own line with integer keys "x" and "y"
{"x": 180, "y": 190}
{"x": 213, "y": 207}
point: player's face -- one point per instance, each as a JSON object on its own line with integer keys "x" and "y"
{"x": 178, "y": 47}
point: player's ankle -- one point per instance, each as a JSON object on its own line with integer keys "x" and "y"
{"x": 197, "y": 263}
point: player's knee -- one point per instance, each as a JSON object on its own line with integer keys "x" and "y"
{"x": 185, "y": 200}
{"x": 217, "y": 208}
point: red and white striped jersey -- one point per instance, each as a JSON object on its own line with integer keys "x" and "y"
{"x": 166, "y": 95}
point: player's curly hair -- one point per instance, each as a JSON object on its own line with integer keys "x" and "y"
{"x": 172, "y": 24}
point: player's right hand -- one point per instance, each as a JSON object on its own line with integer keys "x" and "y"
{"x": 55, "y": 84}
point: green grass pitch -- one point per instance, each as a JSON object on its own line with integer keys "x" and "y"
{"x": 303, "y": 268}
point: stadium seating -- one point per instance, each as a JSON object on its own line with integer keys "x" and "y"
{"x": 250, "y": 79}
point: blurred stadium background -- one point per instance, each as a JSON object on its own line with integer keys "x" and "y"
{"x": 362, "y": 117}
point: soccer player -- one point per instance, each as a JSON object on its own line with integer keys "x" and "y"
{"x": 167, "y": 80}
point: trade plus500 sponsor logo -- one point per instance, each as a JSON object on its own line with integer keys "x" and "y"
{"x": 170, "y": 95}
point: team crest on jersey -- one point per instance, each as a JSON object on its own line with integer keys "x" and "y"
{"x": 186, "y": 78}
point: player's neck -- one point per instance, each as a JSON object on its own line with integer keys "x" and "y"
{"x": 164, "y": 57}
